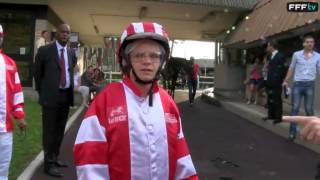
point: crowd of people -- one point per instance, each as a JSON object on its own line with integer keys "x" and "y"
{"x": 274, "y": 77}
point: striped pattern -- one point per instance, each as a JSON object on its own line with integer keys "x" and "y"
{"x": 179, "y": 167}
{"x": 3, "y": 95}
{"x": 11, "y": 95}
{"x": 143, "y": 145}
{"x": 144, "y": 28}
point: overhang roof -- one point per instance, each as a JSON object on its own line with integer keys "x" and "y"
{"x": 183, "y": 19}
{"x": 268, "y": 19}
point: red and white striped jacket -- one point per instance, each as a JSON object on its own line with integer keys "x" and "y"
{"x": 11, "y": 95}
{"x": 122, "y": 138}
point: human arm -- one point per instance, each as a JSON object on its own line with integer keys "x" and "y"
{"x": 18, "y": 103}
{"x": 38, "y": 68}
{"x": 91, "y": 146}
{"x": 290, "y": 71}
{"x": 185, "y": 169}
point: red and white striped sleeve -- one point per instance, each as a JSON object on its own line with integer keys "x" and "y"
{"x": 18, "y": 102}
{"x": 185, "y": 169}
{"x": 91, "y": 146}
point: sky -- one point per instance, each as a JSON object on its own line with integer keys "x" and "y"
{"x": 197, "y": 49}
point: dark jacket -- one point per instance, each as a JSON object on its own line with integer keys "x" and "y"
{"x": 47, "y": 75}
{"x": 276, "y": 71}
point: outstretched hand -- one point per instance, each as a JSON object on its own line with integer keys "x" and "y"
{"x": 310, "y": 127}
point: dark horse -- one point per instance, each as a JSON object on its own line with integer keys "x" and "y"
{"x": 175, "y": 68}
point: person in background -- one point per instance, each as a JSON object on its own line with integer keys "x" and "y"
{"x": 53, "y": 74}
{"x": 11, "y": 105}
{"x": 42, "y": 41}
{"x": 263, "y": 83}
{"x": 276, "y": 74}
{"x": 132, "y": 129}
{"x": 87, "y": 79}
{"x": 193, "y": 80}
{"x": 83, "y": 90}
{"x": 255, "y": 77}
{"x": 304, "y": 67}
{"x": 99, "y": 81}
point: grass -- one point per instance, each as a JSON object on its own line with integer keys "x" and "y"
{"x": 26, "y": 148}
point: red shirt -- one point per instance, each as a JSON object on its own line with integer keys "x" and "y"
{"x": 195, "y": 72}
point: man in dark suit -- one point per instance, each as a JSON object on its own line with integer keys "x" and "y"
{"x": 276, "y": 74}
{"x": 53, "y": 75}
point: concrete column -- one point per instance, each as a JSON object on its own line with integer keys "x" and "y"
{"x": 229, "y": 78}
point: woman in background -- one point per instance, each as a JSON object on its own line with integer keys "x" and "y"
{"x": 255, "y": 78}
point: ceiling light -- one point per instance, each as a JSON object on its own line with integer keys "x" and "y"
{"x": 143, "y": 12}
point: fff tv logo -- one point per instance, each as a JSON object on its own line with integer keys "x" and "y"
{"x": 302, "y": 6}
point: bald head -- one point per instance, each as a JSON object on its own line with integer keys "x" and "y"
{"x": 63, "y": 34}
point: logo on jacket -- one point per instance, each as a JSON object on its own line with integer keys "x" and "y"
{"x": 117, "y": 114}
{"x": 170, "y": 118}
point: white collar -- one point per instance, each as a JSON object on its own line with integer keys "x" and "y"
{"x": 59, "y": 46}
{"x": 274, "y": 53}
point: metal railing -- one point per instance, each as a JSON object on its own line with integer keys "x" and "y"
{"x": 110, "y": 76}
{"x": 205, "y": 81}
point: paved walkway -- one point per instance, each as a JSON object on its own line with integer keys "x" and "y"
{"x": 66, "y": 155}
{"x": 225, "y": 146}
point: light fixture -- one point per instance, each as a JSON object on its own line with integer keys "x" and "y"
{"x": 143, "y": 12}
{"x": 247, "y": 17}
{"x": 228, "y": 32}
{"x": 96, "y": 29}
{"x": 233, "y": 28}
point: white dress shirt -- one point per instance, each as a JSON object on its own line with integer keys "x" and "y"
{"x": 273, "y": 54}
{"x": 66, "y": 64}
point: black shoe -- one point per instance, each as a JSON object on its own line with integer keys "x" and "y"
{"x": 53, "y": 171}
{"x": 266, "y": 118}
{"x": 60, "y": 164}
{"x": 277, "y": 121}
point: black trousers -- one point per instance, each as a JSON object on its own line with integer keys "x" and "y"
{"x": 54, "y": 121}
{"x": 274, "y": 101}
{"x": 192, "y": 85}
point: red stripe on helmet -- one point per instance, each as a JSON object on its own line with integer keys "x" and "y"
{"x": 148, "y": 27}
{"x": 130, "y": 30}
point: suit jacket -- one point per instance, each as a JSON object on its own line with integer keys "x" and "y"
{"x": 276, "y": 71}
{"x": 47, "y": 75}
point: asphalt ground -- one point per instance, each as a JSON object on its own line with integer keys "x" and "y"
{"x": 223, "y": 146}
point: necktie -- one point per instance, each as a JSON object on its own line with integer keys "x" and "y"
{"x": 63, "y": 69}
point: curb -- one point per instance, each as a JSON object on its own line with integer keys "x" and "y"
{"x": 256, "y": 118}
{"x": 35, "y": 163}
